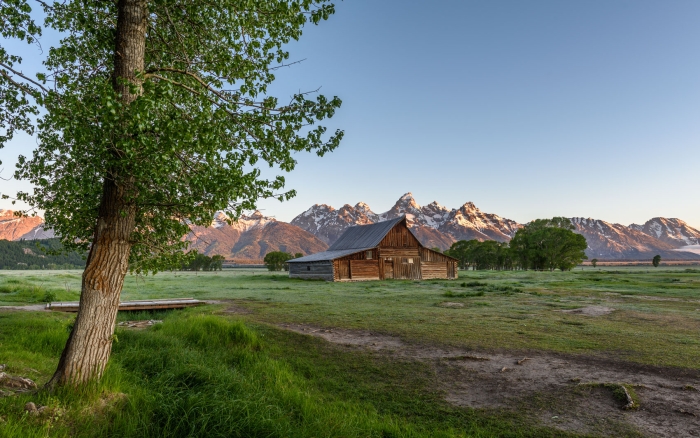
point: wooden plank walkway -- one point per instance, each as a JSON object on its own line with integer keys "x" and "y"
{"x": 168, "y": 303}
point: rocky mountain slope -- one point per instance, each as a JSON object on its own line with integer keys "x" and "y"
{"x": 18, "y": 228}
{"x": 248, "y": 239}
{"x": 438, "y": 226}
{"x": 251, "y": 237}
{"x": 615, "y": 241}
{"x": 433, "y": 224}
{"x": 673, "y": 231}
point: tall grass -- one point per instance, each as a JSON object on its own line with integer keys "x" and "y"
{"x": 199, "y": 375}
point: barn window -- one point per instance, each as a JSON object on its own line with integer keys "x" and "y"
{"x": 410, "y": 261}
{"x": 368, "y": 255}
{"x": 308, "y": 268}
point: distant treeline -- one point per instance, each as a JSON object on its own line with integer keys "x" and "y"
{"x": 201, "y": 262}
{"x": 543, "y": 244}
{"x": 38, "y": 254}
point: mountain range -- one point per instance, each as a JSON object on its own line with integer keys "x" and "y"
{"x": 251, "y": 237}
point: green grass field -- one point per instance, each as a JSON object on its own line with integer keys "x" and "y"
{"x": 227, "y": 369}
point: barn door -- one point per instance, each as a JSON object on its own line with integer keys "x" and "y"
{"x": 344, "y": 269}
{"x": 388, "y": 268}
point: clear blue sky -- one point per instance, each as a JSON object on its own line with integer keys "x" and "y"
{"x": 529, "y": 109}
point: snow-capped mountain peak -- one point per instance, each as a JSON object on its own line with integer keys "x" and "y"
{"x": 670, "y": 230}
{"x": 438, "y": 225}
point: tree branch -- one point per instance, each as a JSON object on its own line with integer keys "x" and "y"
{"x": 20, "y": 75}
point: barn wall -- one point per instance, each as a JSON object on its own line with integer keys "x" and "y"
{"x": 362, "y": 255}
{"x": 406, "y": 271}
{"x": 428, "y": 255}
{"x": 399, "y": 237}
{"x": 364, "y": 269}
{"x": 400, "y": 252}
{"x": 437, "y": 265}
{"x": 431, "y": 270}
{"x": 452, "y": 269}
{"x": 312, "y": 270}
{"x": 389, "y": 260}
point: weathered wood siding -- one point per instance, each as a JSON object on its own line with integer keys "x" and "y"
{"x": 452, "y": 269}
{"x": 437, "y": 265}
{"x": 391, "y": 253}
{"x": 399, "y": 255}
{"x": 430, "y": 270}
{"x": 364, "y": 269}
{"x": 399, "y": 237}
{"x": 407, "y": 271}
{"x": 312, "y": 270}
{"x": 342, "y": 269}
{"x": 388, "y": 268}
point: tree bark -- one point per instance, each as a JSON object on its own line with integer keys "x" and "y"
{"x": 90, "y": 343}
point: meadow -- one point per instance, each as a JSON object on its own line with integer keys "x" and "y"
{"x": 257, "y": 360}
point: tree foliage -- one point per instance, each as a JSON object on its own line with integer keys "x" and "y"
{"x": 18, "y": 92}
{"x": 276, "y": 260}
{"x": 193, "y": 140}
{"x": 156, "y": 114}
{"x": 482, "y": 255}
{"x": 549, "y": 244}
{"x": 541, "y": 244}
{"x": 201, "y": 262}
{"x": 594, "y": 262}
{"x": 656, "y": 261}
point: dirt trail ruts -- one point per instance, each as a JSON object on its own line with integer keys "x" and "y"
{"x": 559, "y": 389}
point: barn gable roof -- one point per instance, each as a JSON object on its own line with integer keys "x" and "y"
{"x": 365, "y": 236}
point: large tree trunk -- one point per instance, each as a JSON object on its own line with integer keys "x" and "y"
{"x": 90, "y": 343}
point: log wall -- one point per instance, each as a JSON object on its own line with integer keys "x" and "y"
{"x": 364, "y": 269}
{"x": 312, "y": 270}
{"x": 342, "y": 269}
{"x": 430, "y": 270}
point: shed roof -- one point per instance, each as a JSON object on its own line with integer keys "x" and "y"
{"x": 365, "y": 236}
{"x": 326, "y": 255}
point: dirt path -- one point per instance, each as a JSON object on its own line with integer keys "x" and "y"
{"x": 569, "y": 392}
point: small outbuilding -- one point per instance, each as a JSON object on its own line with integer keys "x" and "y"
{"x": 375, "y": 252}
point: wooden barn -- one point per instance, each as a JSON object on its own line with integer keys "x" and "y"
{"x": 375, "y": 252}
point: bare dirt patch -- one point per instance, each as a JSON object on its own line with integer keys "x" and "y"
{"x": 569, "y": 392}
{"x": 590, "y": 311}
{"x": 235, "y": 307}
{"x": 357, "y": 338}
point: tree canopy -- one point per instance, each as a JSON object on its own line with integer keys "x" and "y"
{"x": 155, "y": 115}
{"x": 276, "y": 260}
{"x": 191, "y": 142}
{"x": 201, "y": 262}
{"x": 541, "y": 244}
